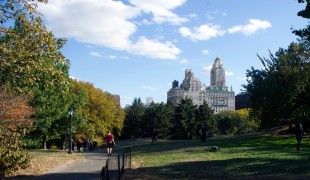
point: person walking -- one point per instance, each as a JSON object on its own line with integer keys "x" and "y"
{"x": 154, "y": 136}
{"x": 298, "y": 132}
{"x": 110, "y": 143}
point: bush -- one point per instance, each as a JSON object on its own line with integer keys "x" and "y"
{"x": 12, "y": 154}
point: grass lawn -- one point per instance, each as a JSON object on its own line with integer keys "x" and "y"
{"x": 44, "y": 160}
{"x": 250, "y": 157}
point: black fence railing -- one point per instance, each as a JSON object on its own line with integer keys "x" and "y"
{"x": 116, "y": 165}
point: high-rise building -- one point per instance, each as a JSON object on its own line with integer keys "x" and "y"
{"x": 149, "y": 100}
{"x": 217, "y": 95}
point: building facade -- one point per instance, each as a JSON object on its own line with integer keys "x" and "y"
{"x": 149, "y": 101}
{"x": 217, "y": 95}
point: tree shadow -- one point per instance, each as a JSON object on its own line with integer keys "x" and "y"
{"x": 238, "y": 168}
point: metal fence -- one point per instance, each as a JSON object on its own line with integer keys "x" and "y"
{"x": 116, "y": 166}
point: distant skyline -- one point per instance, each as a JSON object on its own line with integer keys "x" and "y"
{"x": 137, "y": 48}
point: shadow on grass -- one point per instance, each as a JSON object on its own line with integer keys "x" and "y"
{"x": 239, "y": 168}
{"x": 254, "y": 143}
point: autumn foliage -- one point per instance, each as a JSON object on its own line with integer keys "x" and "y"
{"x": 14, "y": 110}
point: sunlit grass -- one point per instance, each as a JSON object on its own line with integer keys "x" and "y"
{"x": 239, "y": 156}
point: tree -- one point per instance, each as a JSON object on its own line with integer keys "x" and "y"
{"x": 279, "y": 90}
{"x": 31, "y": 56}
{"x": 133, "y": 126}
{"x": 158, "y": 116}
{"x": 100, "y": 114}
{"x": 304, "y": 33}
{"x": 205, "y": 115}
{"x": 185, "y": 123}
{"x": 15, "y": 114}
{"x": 15, "y": 111}
{"x": 13, "y": 9}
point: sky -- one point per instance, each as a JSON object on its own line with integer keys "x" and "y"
{"x": 137, "y": 48}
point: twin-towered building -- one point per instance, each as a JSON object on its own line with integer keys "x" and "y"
{"x": 217, "y": 95}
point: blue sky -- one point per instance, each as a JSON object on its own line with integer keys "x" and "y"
{"x": 136, "y": 48}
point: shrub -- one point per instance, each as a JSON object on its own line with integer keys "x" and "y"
{"x": 12, "y": 154}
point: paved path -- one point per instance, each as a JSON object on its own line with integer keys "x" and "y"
{"x": 88, "y": 168}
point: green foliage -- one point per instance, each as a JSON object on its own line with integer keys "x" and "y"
{"x": 236, "y": 122}
{"x": 158, "y": 116}
{"x": 100, "y": 114}
{"x": 304, "y": 33}
{"x": 12, "y": 155}
{"x": 278, "y": 92}
{"x": 185, "y": 124}
{"x": 134, "y": 118}
{"x": 13, "y": 9}
{"x": 205, "y": 115}
{"x": 31, "y": 57}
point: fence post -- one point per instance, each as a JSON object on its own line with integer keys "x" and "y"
{"x": 107, "y": 165}
{"x": 130, "y": 158}
{"x": 119, "y": 167}
{"x": 123, "y": 165}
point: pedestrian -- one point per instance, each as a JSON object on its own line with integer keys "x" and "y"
{"x": 110, "y": 143}
{"x": 203, "y": 133}
{"x": 78, "y": 145}
{"x": 298, "y": 132}
{"x": 154, "y": 136}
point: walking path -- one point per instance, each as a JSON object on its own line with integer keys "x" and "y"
{"x": 88, "y": 168}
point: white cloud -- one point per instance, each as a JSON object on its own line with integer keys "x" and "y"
{"x": 149, "y": 88}
{"x": 161, "y": 10}
{"x": 207, "y": 31}
{"x": 192, "y": 15}
{"x": 75, "y": 78}
{"x": 184, "y": 61}
{"x": 83, "y": 20}
{"x": 253, "y": 26}
{"x": 227, "y": 73}
{"x": 203, "y": 32}
{"x": 112, "y": 57}
{"x": 155, "y": 49}
{"x": 242, "y": 78}
{"x": 110, "y": 23}
{"x": 96, "y": 54}
{"x": 205, "y": 52}
{"x": 207, "y": 68}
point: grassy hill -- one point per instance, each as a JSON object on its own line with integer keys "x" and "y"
{"x": 248, "y": 156}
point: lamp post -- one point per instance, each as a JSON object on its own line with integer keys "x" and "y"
{"x": 70, "y": 113}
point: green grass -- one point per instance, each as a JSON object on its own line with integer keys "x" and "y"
{"x": 239, "y": 157}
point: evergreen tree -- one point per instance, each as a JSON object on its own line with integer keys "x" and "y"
{"x": 185, "y": 124}
{"x": 205, "y": 115}
{"x": 133, "y": 123}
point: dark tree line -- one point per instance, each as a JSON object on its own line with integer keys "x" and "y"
{"x": 183, "y": 121}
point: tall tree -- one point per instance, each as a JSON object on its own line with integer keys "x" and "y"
{"x": 185, "y": 124}
{"x": 205, "y": 115}
{"x": 133, "y": 123}
{"x": 100, "y": 114}
{"x": 277, "y": 91}
{"x": 158, "y": 116}
{"x": 305, "y": 32}
{"x": 31, "y": 56}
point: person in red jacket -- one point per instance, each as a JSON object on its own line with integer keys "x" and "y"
{"x": 110, "y": 143}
